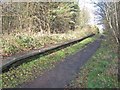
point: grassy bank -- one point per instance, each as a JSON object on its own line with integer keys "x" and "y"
{"x": 25, "y": 41}
{"x": 30, "y": 70}
{"x": 101, "y": 70}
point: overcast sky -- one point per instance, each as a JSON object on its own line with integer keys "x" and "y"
{"x": 90, "y": 7}
{"x": 88, "y": 4}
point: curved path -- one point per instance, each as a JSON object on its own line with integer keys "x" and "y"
{"x": 65, "y": 71}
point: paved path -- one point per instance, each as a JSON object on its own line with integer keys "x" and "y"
{"x": 65, "y": 71}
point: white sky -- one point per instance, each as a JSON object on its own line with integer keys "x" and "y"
{"x": 90, "y": 8}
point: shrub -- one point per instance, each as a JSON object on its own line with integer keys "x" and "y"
{"x": 24, "y": 41}
{"x": 9, "y": 49}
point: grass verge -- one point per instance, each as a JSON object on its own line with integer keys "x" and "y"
{"x": 25, "y": 41}
{"x": 101, "y": 70}
{"x": 30, "y": 70}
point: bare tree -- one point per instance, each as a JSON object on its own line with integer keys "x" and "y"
{"x": 109, "y": 11}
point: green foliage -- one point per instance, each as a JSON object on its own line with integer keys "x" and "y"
{"x": 44, "y": 17}
{"x": 7, "y": 48}
{"x": 101, "y": 70}
{"x": 31, "y": 70}
{"x": 95, "y": 29}
{"x": 39, "y": 17}
{"x": 27, "y": 41}
{"x": 11, "y": 49}
{"x": 24, "y": 41}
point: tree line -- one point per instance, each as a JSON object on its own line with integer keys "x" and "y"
{"x": 109, "y": 15}
{"x": 43, "y": 17}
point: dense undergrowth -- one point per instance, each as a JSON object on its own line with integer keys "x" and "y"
{"x": 16, "y": 43}
{"x": 30, "y": 70}
{"x": 101, "y": 70}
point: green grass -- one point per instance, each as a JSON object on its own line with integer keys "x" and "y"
{"x": 30, "y": 70}
{"x": 101, "y": 70}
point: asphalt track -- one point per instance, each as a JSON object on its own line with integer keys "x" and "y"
{"x": 65, "y": 71}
